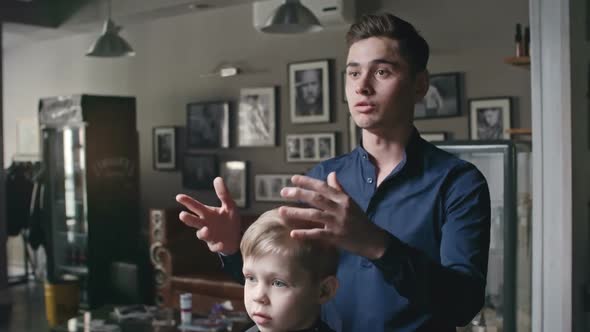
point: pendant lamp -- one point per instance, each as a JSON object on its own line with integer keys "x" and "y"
{"x": 110, "y": 44}
{"x": 292, "y": 17}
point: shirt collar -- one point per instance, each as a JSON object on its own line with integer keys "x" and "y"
{"x": 411, "y": 155}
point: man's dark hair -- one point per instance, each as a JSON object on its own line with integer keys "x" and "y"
{"x": 412, "y": 47}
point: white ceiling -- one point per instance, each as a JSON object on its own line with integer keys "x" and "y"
{"x": 90, "y": 17}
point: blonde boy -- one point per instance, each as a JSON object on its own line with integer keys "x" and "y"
{"x": 286, "y": 280}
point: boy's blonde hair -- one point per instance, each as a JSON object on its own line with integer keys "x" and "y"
{"x": 268, "y": 235}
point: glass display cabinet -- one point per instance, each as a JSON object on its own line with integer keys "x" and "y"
{"x": 506, "y": 166}
{"x": 90, "y": 189}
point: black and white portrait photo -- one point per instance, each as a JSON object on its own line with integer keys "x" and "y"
{"x": 324, "y": 147}
{"x": 310, "y": 147}
{"x": 164, "y": 143}
{"x": 293, "y": 148}
{"x": 490, "y": 118}
{"x": 207, "y": 125}
{"x": 310, "y": 92}
{"x": 442, "y": 98}
{"x": 256, "y": 117}
{"x": 198, "y": 171}
{"x": 269, "y": 186}
{"x": 234, "y": 175}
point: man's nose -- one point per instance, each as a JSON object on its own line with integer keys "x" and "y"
{"x": 364, "y": 85}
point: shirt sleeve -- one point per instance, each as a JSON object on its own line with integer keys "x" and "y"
{"x": 233, "y": 264}
{"x": 454, "y": 289}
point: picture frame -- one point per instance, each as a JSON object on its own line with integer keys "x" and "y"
{"x": 354, "y": 134}
{"x": 207, "y": 125}
{"x": 235, "y": 175}
{"x": 443, "y": 98}
{"x": 489, "y": 118}
{"x": 257, "y": 114}
{"x": 198, "y": 171}
{"x": 309, "y": 91}
{"x": 310, "y": 147}
{"x": 267, "y": 187}
{"x": 434, "y": 136}
{"x": 164, "y": 142}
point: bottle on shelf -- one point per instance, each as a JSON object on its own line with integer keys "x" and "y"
{"x": 518, "y": 41}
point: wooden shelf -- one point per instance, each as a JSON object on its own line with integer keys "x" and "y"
{"x": 519, "y": 131}
{"x": 518, "y": 61}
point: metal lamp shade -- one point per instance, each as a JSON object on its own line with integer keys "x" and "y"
{"x": 110, "y": 44}
{"x": 292, "y": 17}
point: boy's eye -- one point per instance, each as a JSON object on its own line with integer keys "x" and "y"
{"x": 249, "y": 278}
{"x": 278, "y": 283}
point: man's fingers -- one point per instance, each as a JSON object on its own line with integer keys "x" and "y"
{"x": 203, "y": 234}
{"x": 296, "y": 217}
{"x": 223, "y": 193}
{"x": 310, "y": 197}
{"x": 312, "y": 234}
{"x": 215, "y": 246}
{"x": 333, "y": 181}
{"x": 193, "y": 205}
{"x": 191, "y": 220}
{"x": 309, "y": 183}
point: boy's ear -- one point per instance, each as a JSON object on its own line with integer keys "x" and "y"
{"x": 328, "y": 288}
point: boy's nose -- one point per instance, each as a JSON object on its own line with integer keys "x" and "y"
{"x": 260, "y": 296}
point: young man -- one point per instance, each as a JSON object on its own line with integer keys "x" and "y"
{"x": 412, "y": 221}
{"x": 286, "y": 280}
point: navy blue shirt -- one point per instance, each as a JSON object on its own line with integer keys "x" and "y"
{"x": 436, "y": 209}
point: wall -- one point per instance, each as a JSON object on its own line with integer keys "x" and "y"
{"x": 172, "y": 53}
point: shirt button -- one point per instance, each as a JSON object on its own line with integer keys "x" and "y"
{"x": 364, "y": 156}
{"x": 370, "y": 180}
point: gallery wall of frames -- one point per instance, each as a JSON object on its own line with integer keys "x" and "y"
{"x": 251, "y": 120}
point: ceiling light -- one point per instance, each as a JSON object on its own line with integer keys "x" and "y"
{"x": 292, "y": 17}
{"x": 110, "y": 44}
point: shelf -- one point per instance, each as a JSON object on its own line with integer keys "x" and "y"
{"x": 77, "y": 270}
{"x": 518, "y": 61}
{"x": 519, "y": 131}
{"x": 75, "y": 234}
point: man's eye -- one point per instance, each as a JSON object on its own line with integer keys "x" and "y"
{"x": 278, "y": 283}
{"x": 382, "y": 72}
{"x": 353, "y": 73}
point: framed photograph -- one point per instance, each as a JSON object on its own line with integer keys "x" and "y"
{"x": 434, "y": 136}
{"x": 164, "y": 144}
{"x": 443, "y": 98}
{"x": 257, "y": 117}
{"x": 310, "y": 147}
{"x": 207, "y": 125}
{"x": 309, "y": 91}
{"x": 354, "y": 134}
{"x": 489, "y": 118}
{"x": 268, "y": 186}
{"x": 198, "y": 171}
{"x": 234, "y": 174}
